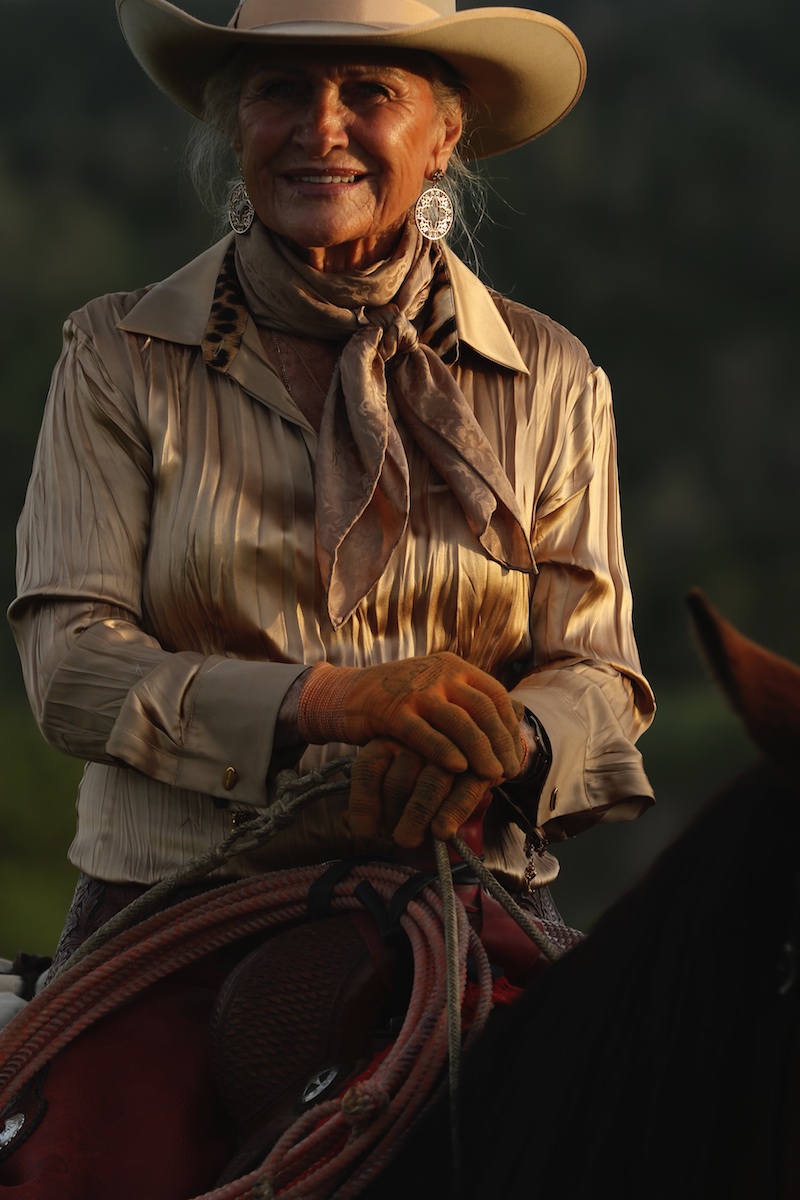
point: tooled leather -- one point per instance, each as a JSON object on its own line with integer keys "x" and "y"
{"x": 308, "y": 998}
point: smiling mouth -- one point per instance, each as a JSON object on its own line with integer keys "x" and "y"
{"x": 351, "y": 177}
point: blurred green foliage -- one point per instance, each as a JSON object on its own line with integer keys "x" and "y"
{"x": 38, "y": 820}
{"x": 658, "y": 223}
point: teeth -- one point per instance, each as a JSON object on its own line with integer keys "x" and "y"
{"x": 327, "y": 178}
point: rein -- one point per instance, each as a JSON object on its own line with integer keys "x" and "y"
{"x": 340, "y": 1144}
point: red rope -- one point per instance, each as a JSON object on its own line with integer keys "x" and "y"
{"x": 341, "y": 1144}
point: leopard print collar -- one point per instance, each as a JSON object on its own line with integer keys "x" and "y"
{"x": 227, "y": 318}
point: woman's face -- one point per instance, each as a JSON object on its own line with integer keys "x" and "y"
{"x": 335, "y": 149}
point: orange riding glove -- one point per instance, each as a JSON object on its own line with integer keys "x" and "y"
{"x": 452, "y": 714}
{"x": 394, "y": 793}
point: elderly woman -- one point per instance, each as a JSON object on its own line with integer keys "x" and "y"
{"x": 322, "y": 490}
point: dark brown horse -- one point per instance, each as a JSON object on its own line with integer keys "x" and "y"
{"x": 660, "y": 1057}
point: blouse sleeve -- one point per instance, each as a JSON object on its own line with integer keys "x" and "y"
{"x": 100, "y": 686}
{"x": 586, "y": 687}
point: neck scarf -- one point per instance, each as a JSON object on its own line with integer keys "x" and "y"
{"x": 386, "y": 367}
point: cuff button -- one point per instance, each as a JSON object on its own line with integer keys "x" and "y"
{"x": 229, "y": 778}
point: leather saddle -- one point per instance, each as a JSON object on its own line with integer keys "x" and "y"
{"x": 295, "y": 1020}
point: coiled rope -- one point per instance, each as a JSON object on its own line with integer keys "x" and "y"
{"x": 335, "y": 1149}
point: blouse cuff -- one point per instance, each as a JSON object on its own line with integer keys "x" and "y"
{"x": 226, "y": 740}
{"x": 584, "y": 784}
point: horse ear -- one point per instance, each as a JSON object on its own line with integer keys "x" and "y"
{"x": 763, "y": 688}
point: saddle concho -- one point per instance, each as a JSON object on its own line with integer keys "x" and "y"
{"x": 299, "y": 1016}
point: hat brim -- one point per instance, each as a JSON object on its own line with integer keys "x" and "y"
{"x": 525, "y": 70}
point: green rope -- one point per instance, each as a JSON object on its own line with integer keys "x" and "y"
{"x": 294, "y": 793}
{"x": 450, "y": 923}
{"x": 499, "y": 893}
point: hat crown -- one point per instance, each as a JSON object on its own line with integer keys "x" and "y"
{"x": 379, "y": 14}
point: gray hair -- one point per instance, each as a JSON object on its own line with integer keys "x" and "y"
{"x": 213, "y": 170}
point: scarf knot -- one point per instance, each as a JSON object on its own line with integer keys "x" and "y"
{"x": 398, "y": 335}
{"x": 361, "y": 473}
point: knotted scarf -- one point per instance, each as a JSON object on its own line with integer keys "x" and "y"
{"x": 386, "y": 367}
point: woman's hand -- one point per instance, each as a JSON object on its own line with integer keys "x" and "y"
{"x": 395, "y": 793}
{"x": 450, "y": 713}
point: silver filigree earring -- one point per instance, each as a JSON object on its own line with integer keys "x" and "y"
{"x": 433, "y": 212}
{"x": 240, "y": 208}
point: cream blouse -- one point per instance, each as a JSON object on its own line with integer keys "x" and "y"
{"x": 168, "y": 594}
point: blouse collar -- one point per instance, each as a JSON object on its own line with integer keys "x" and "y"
{"x": 178, "y": 309}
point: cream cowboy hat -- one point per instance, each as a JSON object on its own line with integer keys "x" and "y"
{"x": 525, "y": 70}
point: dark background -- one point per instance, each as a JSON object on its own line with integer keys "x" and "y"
{"x": 659, "y": 223}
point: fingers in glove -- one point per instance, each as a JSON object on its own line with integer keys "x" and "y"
{"x": 432, "y": 787}
{"x": 464, "y": 797}
{"x": 470, "y": 707}
{"x": 452, "y": 713}
{"x": 431, "y": 743}
{"x": 494, "y": 745}
{"x": 383, "y": 777}
{"x": 440, "y": 801}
